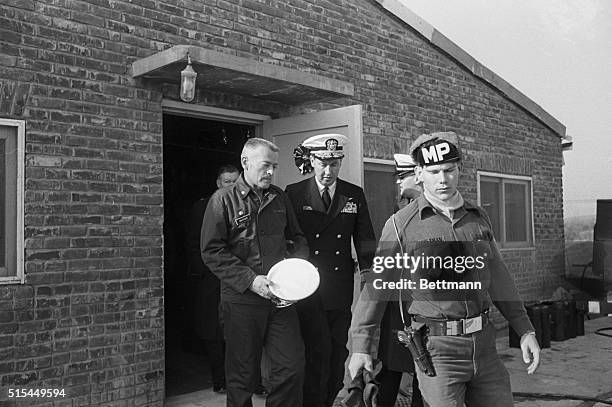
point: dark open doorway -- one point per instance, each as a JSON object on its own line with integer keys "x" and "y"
{"x": 194, "y": 149}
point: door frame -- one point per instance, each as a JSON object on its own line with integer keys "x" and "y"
{"x": 176, "y": 108}
{"x": 257, "y": 120}
{"x": 214, "y": 113}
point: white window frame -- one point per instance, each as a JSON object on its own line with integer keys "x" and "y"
{"x": 18, "y": 277}
{"x": 528, "y": 245}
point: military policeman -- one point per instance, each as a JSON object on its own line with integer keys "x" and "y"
{"x": 245, "y": 232}
{"x": 454, "y": 322}
{"x": 331, "y": 212}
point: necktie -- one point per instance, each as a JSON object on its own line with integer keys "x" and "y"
{"x": 326, "y": 198}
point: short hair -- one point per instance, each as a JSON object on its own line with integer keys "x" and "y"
{"x": 253, "y": 143}
{"x": 226, "y": 168}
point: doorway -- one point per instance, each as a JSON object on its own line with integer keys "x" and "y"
{"x": 194, "y": 149}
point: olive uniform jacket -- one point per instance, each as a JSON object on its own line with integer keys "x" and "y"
{"x": 329, "y": 236}
{"x": 424, "y": 233}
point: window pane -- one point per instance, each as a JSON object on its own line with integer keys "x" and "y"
{"x": 489, "y": 200}
{"x": 381, "y": 194}
{"x": 2, "y": 203}
{"x": 516, "y": 212}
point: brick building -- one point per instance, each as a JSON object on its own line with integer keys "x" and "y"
{"x": 102, "y": 159}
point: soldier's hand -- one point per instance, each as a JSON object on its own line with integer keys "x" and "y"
{"x": 358, "y": 362}
{"x": 530, "y": 347}
{"x": 261, "y": 287}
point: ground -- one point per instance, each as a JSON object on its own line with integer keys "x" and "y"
{"x": 579, "y": 367}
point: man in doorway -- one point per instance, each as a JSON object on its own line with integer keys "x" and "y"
{"x": 454, "y": 323}
{"x": 205, "y": 286}
{"x": 331, "y": 212}
{"x": 248, "y": 226}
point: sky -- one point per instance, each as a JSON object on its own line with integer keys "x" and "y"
{"x": 559, "y": 54}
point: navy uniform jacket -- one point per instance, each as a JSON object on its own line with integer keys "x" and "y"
{"x": 329, "y": 236}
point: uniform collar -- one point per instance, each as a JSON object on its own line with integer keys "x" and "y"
{"x": 426, "y": 209}
{"x": 331, "y": 188}
{"x": 244, "y": 189}
{"x": 242, "y": 186}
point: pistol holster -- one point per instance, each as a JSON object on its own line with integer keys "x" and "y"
{"x": 413, "y": 340}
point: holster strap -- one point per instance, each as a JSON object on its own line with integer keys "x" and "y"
{"x": 466, "y": 326}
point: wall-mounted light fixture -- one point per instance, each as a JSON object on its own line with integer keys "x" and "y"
{"x": 188, "y": 79}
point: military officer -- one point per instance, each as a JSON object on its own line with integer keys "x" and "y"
{"x": 245, "y": 232}
{"x": 454, "y": 323}
{"x": 330, "y": 211}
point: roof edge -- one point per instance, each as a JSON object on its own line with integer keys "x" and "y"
{"x": 456, "y": 52}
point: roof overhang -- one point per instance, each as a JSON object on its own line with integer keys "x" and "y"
{"x": 244, "y": 76}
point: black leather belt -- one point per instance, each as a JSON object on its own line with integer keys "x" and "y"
{"x": 466, "y": 326}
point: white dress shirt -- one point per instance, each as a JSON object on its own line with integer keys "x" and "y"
{"x": 331, "y": 188}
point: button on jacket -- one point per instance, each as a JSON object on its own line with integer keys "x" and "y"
{"x": 329, "y": 236}
{"x": 243, "y": 236}
{"x": 422, "y": 231}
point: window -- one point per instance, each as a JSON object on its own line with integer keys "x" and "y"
{"x": 507, "y": 200}
{"x": 12, "y": 135}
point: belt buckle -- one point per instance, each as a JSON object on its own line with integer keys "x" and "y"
{"x": 454, "y": 328}
{"x": 471, "y": 325}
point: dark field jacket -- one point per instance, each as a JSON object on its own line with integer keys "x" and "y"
{"x": 243, "y": 236}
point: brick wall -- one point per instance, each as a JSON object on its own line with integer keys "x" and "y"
{"x": 90, "y": 316}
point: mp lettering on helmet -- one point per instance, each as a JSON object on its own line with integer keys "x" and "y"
{"x": 435, "y": 152}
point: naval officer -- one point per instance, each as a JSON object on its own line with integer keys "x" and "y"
{"x": 330, "y": 211}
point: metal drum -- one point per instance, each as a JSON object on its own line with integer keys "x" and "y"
{"x": 535, "y": 316}
{"x": 558, "y": 321}
{"x": 570, "y": 321}
{"x": 544, "y": 311}
{"x": 580, "y": 314}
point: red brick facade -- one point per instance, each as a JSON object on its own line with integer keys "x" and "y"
{"x": 90, "y": 316}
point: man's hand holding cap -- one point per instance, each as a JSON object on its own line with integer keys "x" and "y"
{"x": 261, "y": 287}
